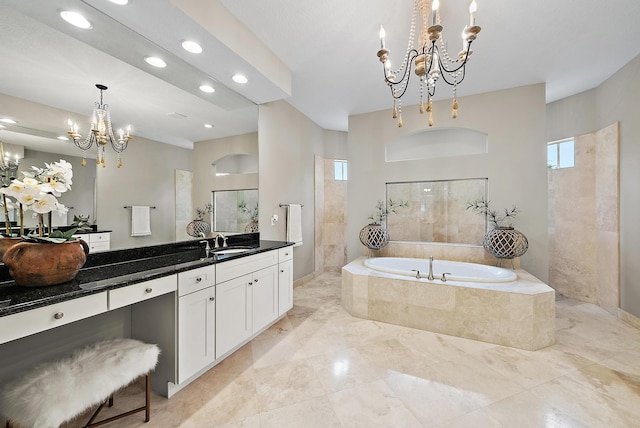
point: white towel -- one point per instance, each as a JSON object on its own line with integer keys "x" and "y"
{"x": 140, "y": 221}
{"x": 294, "y": 224}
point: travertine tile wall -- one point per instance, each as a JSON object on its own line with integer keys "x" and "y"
{"x": 583, "y": 222}
{"x": 334, "y": 219}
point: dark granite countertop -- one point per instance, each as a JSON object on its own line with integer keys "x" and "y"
{"x": 119, "y": 268}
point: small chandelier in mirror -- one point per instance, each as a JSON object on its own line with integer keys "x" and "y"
{"x": 100, "y": 134}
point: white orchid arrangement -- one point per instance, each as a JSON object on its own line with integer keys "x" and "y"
{"x": 38, "y": 191}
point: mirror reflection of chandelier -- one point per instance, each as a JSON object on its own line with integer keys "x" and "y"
{"x": 8, "y": 167}
{"x": 101, "y": 133}
{"x": 430, "y": 58}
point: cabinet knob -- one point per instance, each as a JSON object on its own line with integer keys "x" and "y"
{"x": 148, "y": 290}
{"x": 250, "y": 283}
{"x": 198, "y": 279}
{"x": 255, "y": 280}
{"x": 58, "y": 315}
{"x": 286, "y": 254}
{"x": 281, "y": 270}
{"x": 212, "y": 298}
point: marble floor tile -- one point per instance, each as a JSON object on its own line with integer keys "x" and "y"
{"x": 372, "y": 405}
{"x": 321, "y": 367}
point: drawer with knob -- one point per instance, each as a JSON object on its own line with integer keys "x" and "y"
{"x": 285, "y": 254}
{"x": 196, "y": 279}
{"x": 142, "y": 291}
{"x": 40, "y": 319}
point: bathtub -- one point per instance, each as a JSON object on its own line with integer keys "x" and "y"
{"x": 456, "y": 271}
{"x": 516, "y": 309}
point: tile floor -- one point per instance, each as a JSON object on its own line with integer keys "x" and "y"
{"x": 320, "y": 367}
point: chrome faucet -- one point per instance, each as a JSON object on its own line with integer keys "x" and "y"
{"x": 207, "y": 247}
{"x": 430, "y": 277}
{"x": 224, "y": 241}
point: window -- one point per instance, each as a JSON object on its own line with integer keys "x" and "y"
{"x": 340, "y": 170}
{"x": 560, "y": 154}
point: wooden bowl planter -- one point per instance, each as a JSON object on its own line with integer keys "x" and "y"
{"x": 34, "y": 264}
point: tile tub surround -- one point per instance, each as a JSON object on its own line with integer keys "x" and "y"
{"x": 520, "y": 314}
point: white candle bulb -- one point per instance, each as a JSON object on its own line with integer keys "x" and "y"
{"x": 434, "y": 10}
{"x": 382, "y": 35}
{"x": 473, "y": 8}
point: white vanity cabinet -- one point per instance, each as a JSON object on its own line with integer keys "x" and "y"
{"x": 247, "y": 298}
{"x": 196, "y": 321}
{"x": 285, "y": 280}
{"x": 97, "y": 241}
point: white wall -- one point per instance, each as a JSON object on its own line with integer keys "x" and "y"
{"x": 147, "y": 177}
{"x": 207, "y": 152}
{"x": 288, "y": 141}
{"x": 515, "y": 165}
{"x": 614, "y": 100}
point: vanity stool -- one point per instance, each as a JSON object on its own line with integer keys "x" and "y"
{"x": 53, "y": 393}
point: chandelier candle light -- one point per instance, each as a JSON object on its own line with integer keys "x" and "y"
{"x": 101, "y": 133}
{"x": 430, "y": 58}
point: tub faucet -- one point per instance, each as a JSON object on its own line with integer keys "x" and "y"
{"x": 430, "y": 277}
{"x": 417, "y": 273}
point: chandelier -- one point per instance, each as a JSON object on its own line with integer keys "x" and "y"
{"x": 100, "y": 134}
{"x": 8, "y": 167}
{"x": 430, "y": 58}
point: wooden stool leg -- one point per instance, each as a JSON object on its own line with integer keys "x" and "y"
{"x": 148, "y": 399}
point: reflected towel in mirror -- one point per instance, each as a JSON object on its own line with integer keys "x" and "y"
{"x": 140, "y": 220}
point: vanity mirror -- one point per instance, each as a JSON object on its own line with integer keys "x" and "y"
{"x": 235, "y": 211}
{"x": 437, "y": 211}
{"x": 49, "y": 75}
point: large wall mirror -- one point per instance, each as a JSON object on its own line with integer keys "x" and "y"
{"x": 436, "y": 211}
{"x": 49, "y": 74}
{"x": 235, "y": 211}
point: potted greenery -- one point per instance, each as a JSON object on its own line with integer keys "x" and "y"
{"x": 502, "y": 241}
{"x": 252, "y": 214}
{"x": 374, "y": 236}
{"x": 199, "y": 226}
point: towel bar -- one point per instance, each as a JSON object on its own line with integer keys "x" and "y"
{"x": 129, "y": 206}
{"x": 286, "y": 205}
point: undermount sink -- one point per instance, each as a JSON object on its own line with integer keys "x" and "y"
{"x": 232, "y": 250}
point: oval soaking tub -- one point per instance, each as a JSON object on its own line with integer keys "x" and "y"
{"x": 456, "y": 271}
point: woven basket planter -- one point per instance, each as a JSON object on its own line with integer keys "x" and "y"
{"x": 505, "y": 243}
{"x": 196, "y": 227}
{"x": 374, "y": 236}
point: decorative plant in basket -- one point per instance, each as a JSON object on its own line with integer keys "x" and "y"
{"x": 374, "y": 236}
{"x": 45, "y": 257}
{"x": 503, "y": 241}
{"x": 253, "y": 215}
{"x": 198, "y": 226}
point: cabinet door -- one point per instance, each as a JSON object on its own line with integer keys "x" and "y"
{"x": 196, "y": 332}
{"x": 233, "y": 314}
{"x": 264, "y": 288}
{"x": 285, "y": 287}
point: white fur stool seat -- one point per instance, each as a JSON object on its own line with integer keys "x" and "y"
{"x": 55, "y": 392}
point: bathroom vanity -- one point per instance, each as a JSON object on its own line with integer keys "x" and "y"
{"x": 198, "y": 309}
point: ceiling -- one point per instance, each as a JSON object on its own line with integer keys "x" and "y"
{"x": 318, "y": 56}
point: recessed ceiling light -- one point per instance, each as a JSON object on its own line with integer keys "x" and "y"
{"x": 191, "y": 46}
{"x": 155, "y": 61}
{"x": 208, "y": 89}
{"x": 240, "y": 78}
{"x": 7, "y": 120}
{"x": 208, "y": 125}
{"x": 75, "y": 19}
{"x": 63, "y": 138}
{"x": 120, "y": 2}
